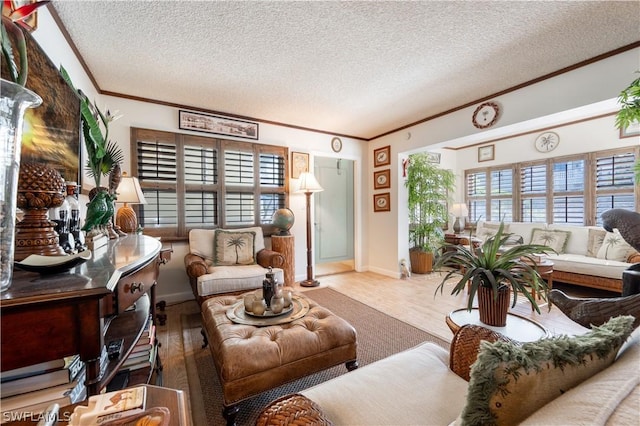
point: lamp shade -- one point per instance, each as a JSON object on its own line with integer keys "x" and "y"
{"x": 129, "y": 191}
{"x": 308, "y": 183}
{"x": 459, "y": 210}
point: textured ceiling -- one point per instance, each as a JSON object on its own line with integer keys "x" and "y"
{"x": 350, "y": 68}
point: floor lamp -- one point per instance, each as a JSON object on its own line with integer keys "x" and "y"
{"x": 309, "y": 185}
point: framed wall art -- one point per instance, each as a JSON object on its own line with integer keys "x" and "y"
{"x": 382, "y": 156}
{"x": 433, "y": 157}
{"x": 632, "y": 130}
{"x": 486, "y": 153}
{"x": 382, "y": 202}
{"x": 299, "y": 164}
{"x": 217, "y": 124}
{"x": 382, "y": 179}
{"x": 51, "y": 132}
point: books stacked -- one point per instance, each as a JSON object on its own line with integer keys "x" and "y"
{"x": 33, "y": 388}
{"x": 143, "y": 353}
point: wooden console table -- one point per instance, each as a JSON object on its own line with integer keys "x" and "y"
{"x": 47, "y": 317}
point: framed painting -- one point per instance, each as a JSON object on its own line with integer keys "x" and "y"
{"x": 217, "y": 124}
{"x": 382, "y": 156}
{"x": 433, "y": 157}
{"x": 299, "y": 164}
{"x": 382, "y": 202}
{"x": 630, "y": 131}
{"x": 486, "y": 153}
{"x": 51, "y": 132}
{"x": 382, "y": 179}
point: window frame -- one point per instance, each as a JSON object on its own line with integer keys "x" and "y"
{"x": 589, "y": 192}
{"x": 180, "y": 230}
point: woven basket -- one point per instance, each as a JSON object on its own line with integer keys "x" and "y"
{"x": 294, "y": 410}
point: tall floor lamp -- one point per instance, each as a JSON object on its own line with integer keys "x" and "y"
{"x": 309, "y": 185}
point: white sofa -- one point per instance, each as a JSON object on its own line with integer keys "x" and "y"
{"x": 210, "y": 274}
{"x": 417, "y": 387}
{"x": 586, "y": 258}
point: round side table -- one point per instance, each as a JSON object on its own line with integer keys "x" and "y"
{"x": 518, "y": 328}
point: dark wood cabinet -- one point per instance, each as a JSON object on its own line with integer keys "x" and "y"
{"x": 111, "y": 296}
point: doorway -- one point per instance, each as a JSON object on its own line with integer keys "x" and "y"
{"x": 334, "y": 216}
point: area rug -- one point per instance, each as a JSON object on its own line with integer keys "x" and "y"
{"x": 379, "y": 336}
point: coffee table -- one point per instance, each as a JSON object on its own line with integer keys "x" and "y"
{"x": 518, "y": 327}
{"x": 251, "y": 359}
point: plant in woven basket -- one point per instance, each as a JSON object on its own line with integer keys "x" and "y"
{"x": 488, "y": 267}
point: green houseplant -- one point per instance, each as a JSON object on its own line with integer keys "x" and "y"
{"x": 428, "y": 188}
{"x": 493, "y": 274}
{"x": 629, "y": 100}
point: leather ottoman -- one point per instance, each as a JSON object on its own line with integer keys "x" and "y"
{"x": 250, "y": 359}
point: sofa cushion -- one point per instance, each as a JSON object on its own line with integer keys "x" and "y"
{"x": 409, "y": 388}
{"x": 555, "y": 239}
{"x": 201, "y": 241}
{"x": 579, "y": 264}
{"x": 234, "y": 248}
{"x": 614, "y": 247}
{"x": 486, "y": 230}
{"x": 225, "y": 279}
{"x": 609, "y": 397}
{"x": 509, "y": 383}
{"x": 596, "y": 237}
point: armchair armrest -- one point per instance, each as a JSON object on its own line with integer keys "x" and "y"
{"x": 634, "y": 258}
{"x": 195, "y": 265}
{"x": 266, "y": 258}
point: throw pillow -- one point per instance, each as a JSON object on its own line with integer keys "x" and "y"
{"x": 487, "y": 230}
{"x": 596, "y": 237}
{"x": 614, "y": 247}
{"x": 557, "y": 240}
{"x": 508, "y": 382}
{"x": 233, "y": 248}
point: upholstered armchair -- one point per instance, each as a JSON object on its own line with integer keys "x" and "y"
{"x": 229, "y": 260}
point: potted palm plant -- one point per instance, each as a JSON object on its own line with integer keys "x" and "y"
{"x": 494, "y": 274}
{"x": 429, "y": 188}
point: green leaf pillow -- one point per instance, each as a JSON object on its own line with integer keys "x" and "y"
{"x": 509, "y": 382}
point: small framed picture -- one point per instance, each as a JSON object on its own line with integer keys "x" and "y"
{"x": 217, "y": 124}
{"x": 433, "y": 157}
{"x": 382, "y": 156}
{"x": 382, "y": 179}
{"x": 299, "y": 164}
{"x": 630, "y": 131}
{"x": 382, "y": 202}
{"x": 486, "y": 153}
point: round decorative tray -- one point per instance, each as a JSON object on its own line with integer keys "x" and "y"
{"x": 269, "y": 314}
{"x": 299, "y": 308}
{"x": 52, "y": 264}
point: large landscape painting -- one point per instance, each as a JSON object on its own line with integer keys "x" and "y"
{"x": 51, "y": 133}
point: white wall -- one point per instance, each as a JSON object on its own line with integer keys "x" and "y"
{"x": 381, "y": 238}
{"x": 173, "y": 282}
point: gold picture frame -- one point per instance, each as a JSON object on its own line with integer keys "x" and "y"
{"x": 299, "y": 164}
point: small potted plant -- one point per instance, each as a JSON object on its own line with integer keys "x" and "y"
{"x": 493, "y": 273}
{"x": 429, "y": 188}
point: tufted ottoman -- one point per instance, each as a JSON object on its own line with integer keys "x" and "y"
{"x": 250, "y": 359}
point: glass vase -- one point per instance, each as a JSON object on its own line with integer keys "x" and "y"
{"x": 14, "y": 100}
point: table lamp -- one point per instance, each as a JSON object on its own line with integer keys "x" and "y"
{"x": 129, "y": 192}
{"x": 309, "y": 185}
{"x": 459, "y": 210}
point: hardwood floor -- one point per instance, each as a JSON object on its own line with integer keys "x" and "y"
{"x": 412, "y": 300}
